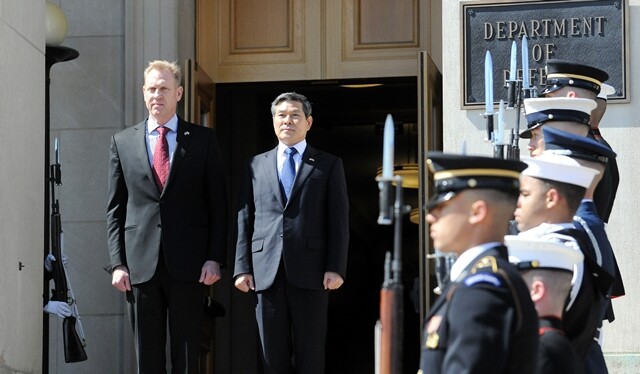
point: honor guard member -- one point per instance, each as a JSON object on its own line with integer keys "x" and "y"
{"x": 567, "y": 114}
{"x": 590, "y": 153}
{"x": 571, "y": 79}
{"x": 547, "y": 268}
{"x": 551, "y": 189}
{"x": 484, "y": 320}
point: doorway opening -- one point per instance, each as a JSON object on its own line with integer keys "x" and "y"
{"x": 348, "y": 122}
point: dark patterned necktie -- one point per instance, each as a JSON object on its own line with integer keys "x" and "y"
{"x": 161, "y": 158}
{"x": 288, "y": 172}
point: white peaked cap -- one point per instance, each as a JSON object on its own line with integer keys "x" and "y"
{"x": 538, "y": 253}
{"x": 560, "y": 169}
{"x": 606, "y": 90}
{"x": 539, "y": 110}
{"x": 550, "y": 104}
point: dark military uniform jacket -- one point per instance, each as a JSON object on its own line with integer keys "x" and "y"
{"x": 605, "y": 193}
{"x": 585, "y": 314}
{"x": 588, "y": 220}
{"x": 556, "y": 355}
{"x": 484, "y": 321}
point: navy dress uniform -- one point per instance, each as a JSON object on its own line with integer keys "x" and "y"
{"x": 588, "y": 220}
{"x": 563, "y": 73}
{"x": 555, "y": 353}
{"x": 484, "y": 320}
{"x": 589, "y": 294}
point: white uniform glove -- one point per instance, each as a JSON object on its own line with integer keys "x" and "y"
{"x": 48, "y": 262}
{"x": 59, "y": 308}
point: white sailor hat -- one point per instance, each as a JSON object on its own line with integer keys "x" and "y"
{"x": 559, "y": 168}
{"x": 606, "y": 90}
{"x": 538, "y": 253}
{"x": 539, "y": 110}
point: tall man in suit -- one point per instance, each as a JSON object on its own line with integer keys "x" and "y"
{"x": 293, "y": 235}
{"x": 167, "y": 223}
{"x": 484, "y": 320}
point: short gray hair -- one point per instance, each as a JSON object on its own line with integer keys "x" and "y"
{"x": 292, "y": 96}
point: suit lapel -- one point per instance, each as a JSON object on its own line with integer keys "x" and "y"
{"x": 270, "y": 168}
{"x": 140, "y": 140}
{"x": 306, "y": 167}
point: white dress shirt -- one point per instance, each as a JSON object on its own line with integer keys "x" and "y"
{"x": 300, "y": 148}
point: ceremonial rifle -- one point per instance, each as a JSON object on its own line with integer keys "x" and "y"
{"x": 389, "y": 329}
{"x": 517, "y": 91}
{"x": 73, "y": 344}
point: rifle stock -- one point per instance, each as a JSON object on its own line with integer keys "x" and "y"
{"x": 389, "y": 328}
{"x": 73, "y": 347}
{"x": 391, "y": 314}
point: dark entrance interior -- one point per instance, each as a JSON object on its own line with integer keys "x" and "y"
{"x": 348, "y": 122}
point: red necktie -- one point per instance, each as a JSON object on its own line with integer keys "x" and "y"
{"x": 161, "y": 158}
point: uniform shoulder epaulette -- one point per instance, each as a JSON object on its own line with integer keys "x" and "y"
{"x": 485, "y": 270}
{"x": 485, "y": 264}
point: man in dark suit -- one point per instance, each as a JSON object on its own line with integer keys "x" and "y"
{"x": 293, "y": 234}
{"x": 484, "y": 320}
{"x": 167, "y": 223}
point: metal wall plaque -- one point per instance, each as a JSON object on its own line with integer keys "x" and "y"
{"x": 591, "y": 32}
